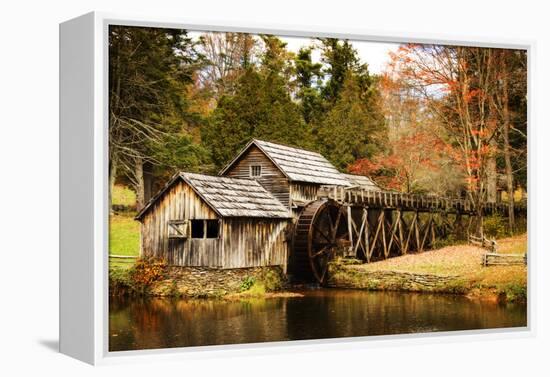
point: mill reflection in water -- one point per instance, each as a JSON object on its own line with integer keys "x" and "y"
{"x": 136, "y": 324}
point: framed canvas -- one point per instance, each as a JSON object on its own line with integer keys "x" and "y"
{"x": 249, "y": 188}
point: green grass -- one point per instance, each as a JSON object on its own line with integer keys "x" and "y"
{"x": 122, "y": 195}
{"x": 256, "y": 290}
{"x": 123, "y": 235}
{"x": 123, "y": 238}
{"x": 123, "y": 229}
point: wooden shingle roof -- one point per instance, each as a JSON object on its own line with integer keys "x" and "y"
{"x": 362, "y": 181}
{"x": 297, "y": 164}
{"x": 228, "y": 197}
{"x": 236, "y": 197}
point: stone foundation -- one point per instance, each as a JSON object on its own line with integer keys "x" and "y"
{"x": 209, "y": 282}
{"x": 341, "y": 276}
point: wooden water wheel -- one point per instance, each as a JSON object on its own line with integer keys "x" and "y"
{"x": 321, "y": 231}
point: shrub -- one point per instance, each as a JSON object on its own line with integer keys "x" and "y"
{"x": 147, "y": 271}
{"x": 495, "y": 226}
{"x": 247, "y": 283}
{"x": 449, "y": 240}
{"x": 272, "y": 280}
{"x": 256, "y": 290}
{"x": 515, "y": 292}
{"x": 119, "y": 282}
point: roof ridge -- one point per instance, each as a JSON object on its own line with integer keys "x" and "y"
{"x": 220, "y": 176}
{"x": 220, "y": 193}
{"x": 288, "y": 146}
{"x": 296, "y": 164}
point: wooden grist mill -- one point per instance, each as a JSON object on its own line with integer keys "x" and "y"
{"x": 375, "y": 225}
{"x": 276, "y": 205}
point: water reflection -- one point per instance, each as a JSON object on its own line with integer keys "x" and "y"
{"x": 161, "y": 323}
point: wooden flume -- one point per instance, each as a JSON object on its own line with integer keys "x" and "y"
{"x": 375, "y": 225}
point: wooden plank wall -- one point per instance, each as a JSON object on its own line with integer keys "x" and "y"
{"x": 304, "y": 191}
{"x": 243, "y": 242}
{"x": 272, "y": 179}
{"x": 178, "y": 203}
{"x": 254, "y": 242}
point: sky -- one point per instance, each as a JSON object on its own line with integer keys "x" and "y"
{"x": 375, "y": 54}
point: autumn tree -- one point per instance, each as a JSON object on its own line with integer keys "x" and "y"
{"x": 416, "y": 160}
{"x": 458, "y": 84}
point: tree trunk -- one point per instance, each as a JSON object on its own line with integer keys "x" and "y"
{"x": 509, "y": 171}
{"x": 139, "y": 183}
{"x": 506, "y": 148}
{"x": 491, "y": 174}
{"x": 479, "y": 217}
{"x": 148, "y": 181}
{"x": 113, "y": 166}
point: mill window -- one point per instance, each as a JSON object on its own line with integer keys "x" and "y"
{"x": 197, "y": 228}
{"x": 255, "y": 170}
{"x": 205, "y": 228}
{"x": 212, "y": 228}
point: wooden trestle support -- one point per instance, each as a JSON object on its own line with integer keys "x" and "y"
{"x": 375, "y": 225}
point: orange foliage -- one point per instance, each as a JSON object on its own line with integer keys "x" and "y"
{"x": 443, "y": 80}
{"x": 147, "y": 271}
{"x": 397, "y": 170}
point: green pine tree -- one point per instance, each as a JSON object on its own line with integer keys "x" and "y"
{"x": 354, "y": 127}
{"x": 261, "y": 107}
{"x": 309, "y": 81}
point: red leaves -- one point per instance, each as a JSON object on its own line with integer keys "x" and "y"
{"x": 410, "y": 154}
{"x": 468, "y": 96}
{"x": 456, "y": 84}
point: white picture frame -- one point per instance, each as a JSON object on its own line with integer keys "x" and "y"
{"x": 84, "y": 188}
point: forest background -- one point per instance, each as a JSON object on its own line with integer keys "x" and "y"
{"x": 441, "y": 120}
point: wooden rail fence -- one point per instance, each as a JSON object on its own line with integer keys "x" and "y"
{"x": 495, "y": 259}
{"x": 122, "y": 258}
{"x": 484, "y": 242}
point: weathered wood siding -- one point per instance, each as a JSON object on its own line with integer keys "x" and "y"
{"x": 272, "y": 179}
{"x": 254, "y": 242}
{"x": 303, "y": 192}
{"x": 180, "y": 202}
{"x": 242, "y": 242}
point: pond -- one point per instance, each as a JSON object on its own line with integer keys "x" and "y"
{"x": 136, "y": 324}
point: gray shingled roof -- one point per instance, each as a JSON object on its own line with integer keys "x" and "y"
{"x": 362, "y": 181}
{"x": 299, "y": 164}
{"x": 236, "y": 197}
{"x": 228, "y": 197}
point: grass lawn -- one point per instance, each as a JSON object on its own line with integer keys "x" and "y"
{"x": 123, "y": 237}
{"x": 122, "y": 195}
{"x": 123, "y": 229}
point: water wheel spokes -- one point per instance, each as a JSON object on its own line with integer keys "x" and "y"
{"x": 320, "y": 231}
{"x": 328, "y": 232}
